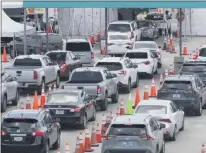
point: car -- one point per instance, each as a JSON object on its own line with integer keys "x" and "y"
{"x": 146, "y": 61}
{"x": 195, "y": 66}
{"x": 34, "y": 72}
{"x": 29, "y": 131}
{"x": 202, "y": 52}
{"x": 118, "y": 44}
{"x": 164, "y": 111}
{"x": 72, "y": 107}
{"x": 153, "y": 47}
{"x": 126, "y": 71}
{"x": 81, "y": 48}
{"x": 127, "y": 26}
{"x": 184, "y": 90}
{"x": 9, "y": 90}
{"x": 134, "y": 133}
{"x": 149, "y": 29}
{"x": 98, "y": 82}
{"x": 66, "y": 60}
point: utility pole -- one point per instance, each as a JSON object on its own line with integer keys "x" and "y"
{"x": 106, "y": 39}
{"x": 25, "y": 52}
{"x": 180, "y": 32}
{"x": 47, "y": 30}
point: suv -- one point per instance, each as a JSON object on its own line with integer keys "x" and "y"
{"x": 202, "y": 52}
{"x": 126, "y": 71}
{"x": 36, "y": 44}
{"x": 29, "y": 131}
{"x": 134, "y": 133}
{"x": 124, "y": 26}
{"x": 81, "y": 48}
{"x": 186, "y": 91}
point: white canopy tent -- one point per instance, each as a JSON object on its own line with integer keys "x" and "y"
{"x": 12, "y": 4}
{"x": 11, "y": 28}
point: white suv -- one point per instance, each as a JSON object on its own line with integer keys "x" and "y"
{"x": 127, "y": 72}
{"x": 129, "y": 27}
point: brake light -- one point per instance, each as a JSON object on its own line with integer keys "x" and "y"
{"x": 132, "y": 35}
{"x": 99, "y": 89}
{"x": 3, "y": 133}
{"x": 35, "y": 75}
{"x": 165, "y": 120}
{"x": 123, "y": 72}
{"x": 76, "y": 110}
{"x": 149, "y": 137}
{"x": 108, "y": 137}
{"x": 63, "y": 66}
{"x": 147, "y": 62}
{"x": 38, "y": 133}
{"x": 92, "y": 55}
{"x": 110, "y": 44}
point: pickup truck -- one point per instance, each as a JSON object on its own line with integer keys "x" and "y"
{"x": 34, "y": 71}
{"x": 98, "y": 82}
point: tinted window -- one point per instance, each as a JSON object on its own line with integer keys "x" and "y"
{"x": 118, "y": 37}
{"x": 86, "y": 77}
{"x": 193, "y": 68}
{"x": 27, "y": 62}
{"x": 185, "y": 85}
{"x": 113, "y": 66}
{"x": 34, "y": 39}
{"x": 202, "y": 52}
{"x": 152, "y": 109}
{"x": 57, "y": 56}
{"x": 63, "y": 98}
{"x": 143, "y": 24}
{"x": 137, "y": 55}
{"x": 78, "y": 47}
{"x": 145, "y": 45}
{"x": 119, "y": 27}
{"x": 154, "y": 17}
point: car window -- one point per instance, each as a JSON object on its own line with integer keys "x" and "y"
{"x": 141, "y": 24}
{"x": 126, "y": 64}
{"x": 184, "y": 85}
{"x": 48, "y": 60}
{"x": 197, "y": 68}
{"x": 4, "y": 76}
{"x": 157, "y": 109}
{"x": 138, "y": 55}
{"x": 113, "y": 66}
{"x": 198, "y": 82}
{"x": 119, "y": 27}
{"x": 47, "y": 119}
{"x": 72, "y": 55}
{"x": 130, "y": 63}
{"x": 145, "y": 45}
{"x": 174, "y": 107}
{"x": 78, "y": 46}
{"x": 45, "y": 61}
{"x": 27, "y": 62}
{"x": 63, "y": 98}
{"x": 119, "y": 37}
{"x": 202, "y": 52}
{"x": 57, "y": 56}
{"x": 156, "y": 123}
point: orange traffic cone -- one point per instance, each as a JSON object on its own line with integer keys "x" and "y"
{"x": 137, "y": 98}
{"x": 166, "y": 73}
{"x": 94, "y": 137}
{"x": 171, "y": 70}
{"x": 103, "y": 131}
{"x": 87, "y": 141}
{"x": 122, "y": 110}
{"x": 185, "y": 51}
{"x": 103, "y": 51}
{"x": 153, "y": 92}
{"x": 58, "y": 150}
{"x": 21, "y": 105}
{"x": 161, "y": 79}
{"x": 4, "y": 56}
{"x": 50, "y": 29}
{"x": 35, "y": 103}
{"x": 173, "y": 49}
{"x": 77, "y": 150}
{"x": 28, "y": 102}
{"x": 171, "y": 40}
{"x": 98, "y": 36}
{"x": 67, "y": 150}
{"x": 92, "y": 39}
{"x": 118, "y": 111}
{"x": 43, "y": 98}
{"x": 146, "y": 93}
{"x": 81, "y": 142}
{"x": 98, "y": 133}
{"x": 203, "y": 149}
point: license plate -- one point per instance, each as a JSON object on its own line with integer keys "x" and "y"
{"x": 18, "y": 139}
{"x": 176, "y": 95}
{"x": 127, "y": 144}
{"x": 59, "y": 112}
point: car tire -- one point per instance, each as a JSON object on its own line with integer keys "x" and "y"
{"x": 15, "y": 101}
{"x": 115, "y": 97}
{"x": 159, "y": 65}
{"x": 58, "y": 80}
{"x": 39, "y": 88}
{"x": 183, "y": 125}
{"x": 137, "y": 81}
{"x": 56, "y": 145}
{"x": 46, "y": 149}
{"x": 94, "y": 115}
{"x": 83, "y": 125}
{"x": 163, "y": 147}
{"x": 198, "y": 112}
{"x": 4, "y": 104}
{"x": 104, "y": 103}
{"x": 128, "y": 88}
{"x": 173, "y": 138}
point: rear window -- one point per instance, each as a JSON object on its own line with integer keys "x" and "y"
{"x": 145, "y": 45}
{"x": 78, "y": 47}
{"x": 143, "y": 24}
{"x": 63, "y": 98}
{"x": 58, "y": 56}
{"x": 119, "y": 27}
{"x": 193, "y": 68}
{"x": 27, "y": 62}
{"x": 202, "y": 52}
{"x": 86, "y": 77}
{"x": 113, "y": 66}
{"x": 154, "y": 17}
{"x": 127, "y": 130}
{"x": 151, "y": 109}
{"x": 139, "y": 55}
{"x": 181, "y": 85}
{"x": 118, "y": 37}
{"x": 19, "y": 123}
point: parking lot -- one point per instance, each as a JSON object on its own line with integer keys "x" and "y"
{"x": 188, "y": 141}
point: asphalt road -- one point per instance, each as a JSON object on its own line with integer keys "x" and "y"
{"x": 188, "y": 141}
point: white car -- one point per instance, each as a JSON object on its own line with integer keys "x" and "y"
{"x": 202, "y": 53}
{"x": 153, "y": 47}
{"x": 127, "y": 72}
{"x": 126, "y": 26}
{"x": 164, "y": 111}
{"x": 118, "y": 43}
{"x": 146, "y": 61}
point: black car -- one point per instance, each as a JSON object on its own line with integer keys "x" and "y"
{"x": 186, "y": 91}
{"x": 73, "y": 107}
{"x": 32, "y": 131}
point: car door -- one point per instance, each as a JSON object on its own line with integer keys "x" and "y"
{"x": 136, "y": 30}
{"x": 180, "y": 114}
{"x": 175, "y": 115}
{"x": 88, "y": 104}
{"x": 74, "y": 63}
{"x": 109, "y": 82}
{"x": 159, "y": 132}
{"x": 133, "y": 70}
{"x": 6, "y": 80}
{"x": 154, "y": 59}
{"x": 154, "y": 130}
{"x": 200, "y": 87}
{"x": 47, "y": 70}
{"x": 51, "y": 69}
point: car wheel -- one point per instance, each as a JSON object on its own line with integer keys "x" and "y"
{"x": 115, "y": 97}
{"x": 58, "y": 80}
{"x": 56, "y": 145}
{"x": 83, "y": 124}
{"x": 128, "y": 89}
{"x": 183, "y": 125}
{"x": 199, "y": 110}
{"x": 163, "y": 147}
{"x": 173, "y": 138}
{"x": 15, "y": 101}
{"x": 137, "y": 81}
{"x": 94, "y": 115}
{"x": 104, "y": 103}
{"x": 39, "y": 89}
{"x": 46, "y": 150}
{"x": 4, "y": 104}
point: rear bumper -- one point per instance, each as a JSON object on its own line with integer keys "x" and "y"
{"x": 87, "y": 65}
{"x": 25, "y": 85}
{"x": 188, "y": 105}
{"x": 138, "y": 150}
{"x": 71, "y": 120}
{"x": 22, "y": 148}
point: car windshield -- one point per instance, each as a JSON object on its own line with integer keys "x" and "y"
{"x": 78, "y": 47}
{"x": 181, "y": 85}
{"x": 63, "y": 98}
{"x": 145, "y": 45}
{"x": 86, "y": 77}
{"x": 118, "y": 37}
{"x": 112, "y": 66}
{"x": 27, "y": 62}
{"x": 57, "y": 56}
{"x": 119, "y": 27}
{"x": 154, "y": 17}
{"x": 194, "y": 68}
{"x": 143, "y": 24}
{"x": 127, "y": 130}
{"x": 151, "y": 109}
{"x": 137, "y": 55}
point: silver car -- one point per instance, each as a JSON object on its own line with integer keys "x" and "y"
{"x": 134, "y": 134}
{"x": 9, "y": 90}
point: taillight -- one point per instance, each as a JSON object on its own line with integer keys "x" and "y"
{"x": 165, "y": 120}
{"x": 149, "y": 137}
{"x": 92, "y": 55}
{"x": 132, "y": 35}
{"x": 3, "y": 133}
{"x": 76, "y": 110}
{"x": 147, "y": 62}
{"x": 38, "y": 133}
{"x": 99, "y": 89}
{"x": 108, "y": 137}
{"x": 35, "y": 75}
{"x": 122, "y": 72}
{"x": 110, "y": 44}
{"x": 63, "y": 66}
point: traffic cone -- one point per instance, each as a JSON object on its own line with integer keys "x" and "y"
{"x": 98, "y": 133}
{"x": 185, "y": 51}
{"x": 118, "y": 111}
{"x": 129, "y": 105}
{"x": 103, "y": 51}
{"x": 87, "y": 141}
{"x": 98, "y": 36}
{"x": 165, "y": 44}
{"x": 81, "y": 142}
{"x": 43, "y": 98}
{"x": 153, "y": 92}
{"x": 28, "y": 102}
{"x": 203, "y": 149}
{"x": 4, "y": 56}
{"x": 171, "y": 40}
{"x": 171, "y": 70}
{"x": 77, "y": 150}
{"x": 166, "y": 73}
{"x": 173, "y": 49}
{"x": 103, "y": 131}
{"x": 122, "y": 111}
{"x": 137, "y": 97}
{"x": 94, "y": 137}
{"x": 161, "y": 79}
{"x": 92, "y": 39}
{"x": 35, "y": 103}
{"x": 67, "y": 150}
{"x": 146, "y": 93}
{"x": 169, "y": 47}
{"x": 58, "y": 150}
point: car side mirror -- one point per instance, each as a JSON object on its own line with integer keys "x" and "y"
{"x": 181, "y": 108}
{"x": 162, "y": 125}
{"x": 13, "y": 79}
{"x": 159, "y": 47}
{"x": 114, "y": 75}
{"x": 129, "y": 47}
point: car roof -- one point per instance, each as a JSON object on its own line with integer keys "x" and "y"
{"x": 156, "y": 102}
{"x": 122, "y": 21}
{"x": 27, "y": 113}
{"x": 72, "y": 91}
{"x": 145, "y": 42}
{"x": 180, "y": 77}
{"x": 77, "y": 40}
{"x": 112, "y": 59}
{"x": 33, "y": 56}
{"x": 80, "y": 69}
{"x": 142, "y": 50}
{"x": 57, "y": 51}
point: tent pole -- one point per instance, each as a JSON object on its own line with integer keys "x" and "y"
{"x": 25, "y": 52}
{"x": 47, "y": 30}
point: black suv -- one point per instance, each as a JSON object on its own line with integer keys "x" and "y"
{"x": 185, "y": 91}
{"x": 32, "y": 131}
{"x": 36, "y": 44}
